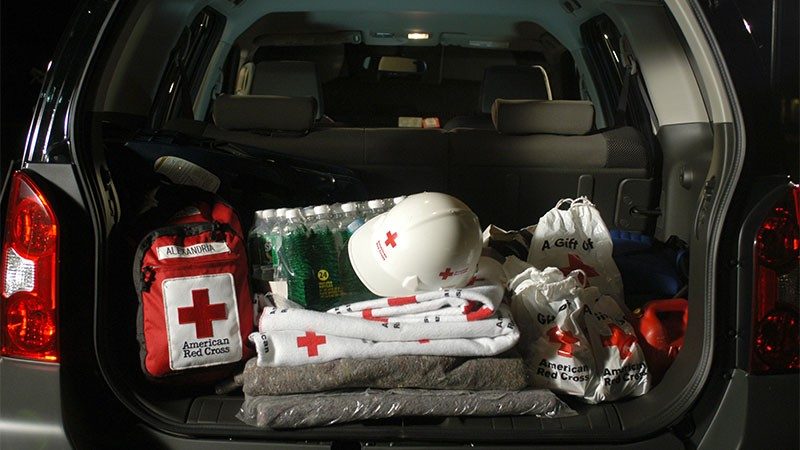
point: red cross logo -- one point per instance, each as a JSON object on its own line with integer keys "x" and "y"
{"x": 400, "y": 301}
{"x": 311, "y": 341}
{"x": 619, "y": 339}
{"x": 390, "y": 237}
{"x": 446, "y": 274}
{"x": 202, "y": 313}
{"x": 564, "y": 338}
{"x": 575, "y": 263}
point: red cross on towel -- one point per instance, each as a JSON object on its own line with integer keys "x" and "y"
{"x": 311, "y": 341}
{"x": 446, "y": 274}
{"x": 202, "y": 314}
{"x": 400, "y": 301}
{"x": 390, "y": 237}
{"x": 619, "y": 339}
{"x": 564, "y": 338}
{"x": 576, "y": 263}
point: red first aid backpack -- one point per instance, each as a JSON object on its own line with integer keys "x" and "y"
{"x": 195, "y": 307}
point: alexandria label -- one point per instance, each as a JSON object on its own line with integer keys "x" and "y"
{"x": 192, "y": 251}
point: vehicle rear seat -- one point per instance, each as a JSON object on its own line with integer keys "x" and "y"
{"x": 537, "y": 152}
{"x": 286, "y": 78}
{"x": 390, "y": 161}
{"x": 508, "y": 82}
{"x": 406, "y": 160}
{"x": 540, "y": 152}
{"x": 283, "y": 124}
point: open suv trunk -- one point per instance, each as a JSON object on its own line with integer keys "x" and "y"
{"x": 685, "y": 120}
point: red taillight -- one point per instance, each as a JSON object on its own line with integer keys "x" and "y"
{"x": 776, "y": 336}
{"x": 28, "y": 274}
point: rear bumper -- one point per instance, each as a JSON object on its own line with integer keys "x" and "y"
{"x": 30, "y": 405}
{"x": 756, "y": 412}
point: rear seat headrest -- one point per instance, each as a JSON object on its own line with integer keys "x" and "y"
{"x": 566, "y": 117}
{"x": 264, "y": 112}
{"x": 244, "y": 79}
{"x": 289, "y": 78}
{"x": 513, "y": 82}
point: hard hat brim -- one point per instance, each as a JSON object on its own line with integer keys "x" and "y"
{"x": 362, "y": 258}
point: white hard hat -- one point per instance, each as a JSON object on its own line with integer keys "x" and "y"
{"x": 428, "y": 241}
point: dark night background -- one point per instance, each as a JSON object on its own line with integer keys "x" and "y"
{"x": 29, "y": 32}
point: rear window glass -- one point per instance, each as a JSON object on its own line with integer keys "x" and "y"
{"x": 369, "y": 85}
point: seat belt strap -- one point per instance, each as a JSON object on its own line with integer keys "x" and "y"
{"x": 620, "y": 117}
{"x": 630, "y": 70}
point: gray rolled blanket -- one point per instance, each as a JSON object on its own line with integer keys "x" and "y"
{"x": 310, "y": 410}
{"x": 501, "y": 372}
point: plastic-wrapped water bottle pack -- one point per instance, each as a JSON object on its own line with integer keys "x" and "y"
{"x": 301, "y": 253}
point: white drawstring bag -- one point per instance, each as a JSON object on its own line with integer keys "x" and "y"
{"x": 573, "y": 339}
{"x": 572, "y": 236}
{"x": 621, "y": 367}
{"x": 556, "y": 350}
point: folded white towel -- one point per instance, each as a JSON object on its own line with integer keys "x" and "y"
{"x": 290, "y": 337}
{"x": 474, "y": 302}
{"x": 478, "y": 300}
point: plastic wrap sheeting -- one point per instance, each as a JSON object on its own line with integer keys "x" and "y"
{"x": 311, "y": 410}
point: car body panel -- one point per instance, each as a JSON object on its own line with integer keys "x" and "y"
{"x": 752, "y": 412}
{"x": 30, "y": 405}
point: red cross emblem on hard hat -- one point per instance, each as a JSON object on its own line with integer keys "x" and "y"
{"x": 446, "y": 274}
{"x": 202, "y": 313}
{"x": 390, "y": 237}
{"x": 565, "y": 339}
{"x": 311, "y": 341}
{"x": 619, "y": 339}
{"x": 576, "y": 263}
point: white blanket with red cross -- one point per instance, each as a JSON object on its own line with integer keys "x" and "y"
{"x": 477, "y": 301}
{"x": 470, "y": 321}
{"x": 291, "y": 337}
